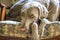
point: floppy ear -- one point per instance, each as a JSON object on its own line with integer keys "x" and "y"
{"x": 43, "y": 12}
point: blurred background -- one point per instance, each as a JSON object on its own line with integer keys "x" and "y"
{"x": 8, "y": 3}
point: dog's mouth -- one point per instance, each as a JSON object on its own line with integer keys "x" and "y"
{"x": 23, "y": 29}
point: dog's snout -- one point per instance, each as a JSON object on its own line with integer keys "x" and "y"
{"x": 23, "y": 29}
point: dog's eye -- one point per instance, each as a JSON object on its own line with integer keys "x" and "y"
{"x": 31, "y": 16}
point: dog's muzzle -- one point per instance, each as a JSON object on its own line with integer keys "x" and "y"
{"x": 23, "y": 29}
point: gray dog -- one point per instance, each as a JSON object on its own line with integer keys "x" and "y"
{"x": 31, "y": 11}
{"x": 51, "y": 5}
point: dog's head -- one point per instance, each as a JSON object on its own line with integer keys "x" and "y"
{"x": 31, "y": 12}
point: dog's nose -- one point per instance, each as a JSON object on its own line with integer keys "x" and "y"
{"x": 23, "y": 29}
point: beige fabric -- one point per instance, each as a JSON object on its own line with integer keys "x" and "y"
{"x": 13, "y": 29}
{"x": 49, "y": 29}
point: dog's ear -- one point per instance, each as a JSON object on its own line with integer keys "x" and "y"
{"x": 43, "y": 12}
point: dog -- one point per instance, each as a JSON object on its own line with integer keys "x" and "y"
{"x": 49, "y": 4}
{"x": 26, "y": 20}
{"x": 31, "y": 12}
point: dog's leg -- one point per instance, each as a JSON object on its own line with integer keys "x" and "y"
{"x": 35, "y": 35}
